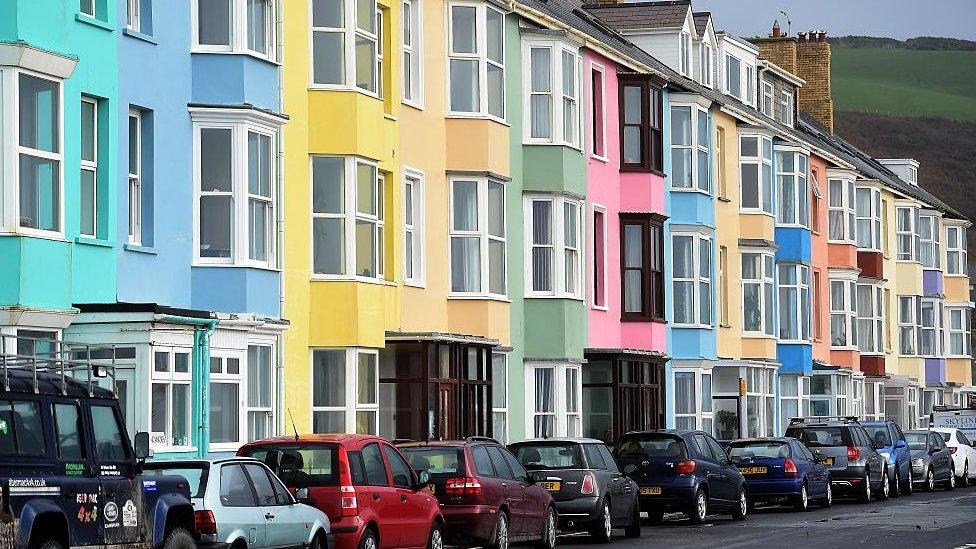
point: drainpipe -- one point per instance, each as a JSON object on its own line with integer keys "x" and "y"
{"x": 203, "y": 328}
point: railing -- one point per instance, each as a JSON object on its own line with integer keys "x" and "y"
{"x": 83, "y": 362}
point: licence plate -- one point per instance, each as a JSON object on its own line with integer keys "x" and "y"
{"x": 651, "y": 491}
{"x": 551, "y": 486}
{"x": 829, "y": 462}
{"x": 753, "y": 470}
{"x": 432, "y": 488}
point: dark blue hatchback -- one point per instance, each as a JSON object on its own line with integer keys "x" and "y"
{"x": 781, "y": 470}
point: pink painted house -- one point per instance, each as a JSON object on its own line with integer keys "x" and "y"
{"x": 623, "y": 379}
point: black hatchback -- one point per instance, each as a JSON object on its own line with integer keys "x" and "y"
{"x": 683, "y": 471}
{"x": 590, "y": 492}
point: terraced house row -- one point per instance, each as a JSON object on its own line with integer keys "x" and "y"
{"x": 432, "y": 219}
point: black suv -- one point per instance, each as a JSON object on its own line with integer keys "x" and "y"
{"x": 68, "y": 473}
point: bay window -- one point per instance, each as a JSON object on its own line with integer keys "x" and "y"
{"x": 843, "y": 313}
{"x": 840, "y": 211}
{"x": 692, "y": 268}
{"x": 757, "y": 293}
{"x": 958, "y": 326}
{"x": 794, "y": 393}
{"x": 552, "y": 107}
{"x": 555, "y": 404}
{"x": 907, "y": 219}
{"x": 756, "y": 171}
{"x": 346, "y": 45}
{"x": 39, "y": 165}
{"x": 477, "y": 250}
{"x": 689, "y": 148}
{"x": 235, "y": 26}
{"x": 956, "y": 250}
{"x": 169, "y": 402}
{"x": 908, "y": 312}
{"x": 414, "y": 230}
{"x": 870, "y": 318}
{"x": 793, "y": 203}
{"x": 345, "y": 386}
{"x": 555, "y": 261}
{"x": 642, "y": 267}
{"x": 867, "y": 211}
{"x": 88, "y": 187}
{"x": 693, "y": 399}
{"x": 412, "y": 67}
{"x": 641, "y": 136}
{"x": 260, "y": 392}
{"x": 794, "y": 302}
{"x": 348, "y": 218}
{"x": 928, "y": 232}
{"x": 476, "y": 64}
{"x": 930, "y": 316}
{"x": 236, "y": 180}
{"x": 226, "y": 379}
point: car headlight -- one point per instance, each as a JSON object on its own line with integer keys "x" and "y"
{"x": 917, "y": 462}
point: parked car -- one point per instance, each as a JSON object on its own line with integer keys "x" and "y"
{"x": 590, "y": 491}
{"x": 69, "y": 475}
{"x": 372, "y": 496}
{"x": 685, "y": 471}
{"x": 781, "y": 470}
{"x": 239, "y": 502}
{"x": 486, "y": 496}
{"x": 931, "y": 460}
{"x": 889, "y": 441}
{"x": 844, "y": 447}
{"x": 963, "y": 454}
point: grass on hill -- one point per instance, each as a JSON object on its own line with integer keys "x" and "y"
{"x": 905, "y": 82}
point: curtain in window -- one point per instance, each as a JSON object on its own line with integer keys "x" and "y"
{"x": 684, "y": 393}
{"x": 541, "y": 93}
{"x": 464, "y": 85}
{"x": 465, "y": 263}
{"x": 545, "y": 405}
{"x": 328, "y": 378}
{"x": 542, "y": 245}
{"x": 633, "y": 263}
{"x": 224, "y": 412}
{"x": 681, "y": 153}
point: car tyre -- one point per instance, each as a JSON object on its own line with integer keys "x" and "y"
{"x": 50, "y": 544}
{"x": 602, "y": 530}
{"x": 864, "y": 496}
{"x": 179, "y": 538}
{"x": 828, "y": 499}
{"x": 699, "y": 510}
{"x": 950, "y": 483}
{"x": 436, "y": 539}
{"x": 742, "y": 509}
{"x": 910, "y": 482}
{"x": 964, "y": 479}
{"x": 633, "y": 529}
{"x": 318, "y": 542}
{"x": 802, "y": 501}
{"x": 500, "y": 538}
{"x": 369, "y": 540}
{"x": 548, "y": 534}
{"x": 930, "y": 480}
{"x": 885, "y": 489}
{"x": 895, "y": 484}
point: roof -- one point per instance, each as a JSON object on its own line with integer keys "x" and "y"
{"x": 760, "y": 439}
{"x": 154, "y": 308}
{"x": 644, "y": 15}
{"x": 558, "y": 440}
{"x": 313, "y": 438}
{"x": 22, "y": 381}
{"x": 701, "y": 21}
{"x": 177, "y": 463}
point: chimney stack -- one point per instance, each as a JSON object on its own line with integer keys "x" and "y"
{"x": 777, "y": 32}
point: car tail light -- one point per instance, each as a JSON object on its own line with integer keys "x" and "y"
{"x": 588, "y": 484}
{"x": 205, "y": 523}
{"x": 789, "y": 468}
{"x": 686, "y": 467}
{"x": 347, "y": 492}
{"x": 462, "y": 486}
{"x": 952, "y": 449}
{"x": 853, "y": 453}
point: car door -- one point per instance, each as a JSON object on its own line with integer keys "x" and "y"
{"x": 966, "y": 447}
{"x": 872, "y": 457}
{"x": 605, "y": 481}
{"x": 535, "y": 499}
{"x": 818, "y": 475}
{"x": 283, "y": 526}
{"x": 941, "y": 458}
{"x": 412, "y": 505}
{"x": 115, "y": 469}
{"x": 718, "y": 490}
{"x": 522, "y": 517}
{"x": 731, "y": 477}
{"x": 378, "y": 494}
{"x": 626, "y": 489}
{"x": 239, "y": 509}
{"x": 79, "y": 484}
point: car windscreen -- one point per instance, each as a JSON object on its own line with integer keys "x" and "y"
{"x": 878, "y": 434}
{"x": 945, "y": 436}
{"x": 195, "y": 475}
{"x": 300, "y": 465}
{"x": 917, "y": 441}
{"x": 548, "y": 456}
{"x": 650, "y": 446}
{"x": 771, "y": 449}
{"x": 821, "y": 437}
{"x": 434, "y": 460}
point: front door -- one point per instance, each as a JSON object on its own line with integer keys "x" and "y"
{"x": 446, "y": 411}
{"x": 728, "y": 425}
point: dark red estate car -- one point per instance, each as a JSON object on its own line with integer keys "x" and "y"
{"x": 372, "y": 496}
{"x": 486, "y": 495}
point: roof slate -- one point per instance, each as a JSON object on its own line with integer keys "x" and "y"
{"x": 644, "y": 15}
{"x": 701, "y": 21}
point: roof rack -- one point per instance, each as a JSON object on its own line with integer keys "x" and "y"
{"x": 823, "y": 418}
{"x": 80, "y": 362}
{"x": 481, "y": 439}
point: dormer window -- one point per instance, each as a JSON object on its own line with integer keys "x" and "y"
{"x": 685, "y": 53}
{"x": 740, "y": 80}
{"x": 766, "y": 104}
{"x": 913, "y": 175}
{"x": 705, "y": 64}
{"x": 786, "y": 107}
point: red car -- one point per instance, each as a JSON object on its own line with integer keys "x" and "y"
{"x": 372, "y": 496}
{"x": 487, "y": 497}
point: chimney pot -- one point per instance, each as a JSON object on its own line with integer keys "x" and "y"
{"x": 801, "y": 37}
{"x": 777, "y": 31}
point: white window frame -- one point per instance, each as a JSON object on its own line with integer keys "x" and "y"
{"x": 240, "y": 126}
{"x": 557, "y": 93}
{"x": 700, "y": 278}
{"x": 350, "y": 215}
{"x": 604, "y": 258}
{"x": 801, "y": 292}
{"x": 562, "y": 409}
{"x": 870, "y": 218}
{"x": 798, "y": 179}
{"x": 846, "y": 311}
{"x": 874, "y": 317}
{"x": 684, "y": 53}
{"x": 701, "y": 419}
{"x": 750, "y": 85}
{"x": 133, "y": 20}
{"x": 271, "y": 345}
{"x": 238, "y": 31}
{"x": 908, "y": 324}
{"x": 699, "y": 182}
{"x": 481, "y": 56}
{"x": 932, "y": 242}
{"x": 239, "y": 379}
{"x": 602, "y": 130}
{"x": 766, "y": 105}
{"x": 913, "y": 175}
{"x": 483, "y": 233}
{"x": 958, "y": 250}
{"x": 558, "y": 285}
{"x": 350, "y": 32}
{"x": 761, "y": 385}
{"x": 934, "y": 329}
{"x": 414, "y": 185}
{"x": 94, "y": 9}
{"x": 503, "y": 390}
{"x": 962, "y": 332}
{"x": 802, "y": 396}
{"x": 170, "y": 378}
{"x": 786, "y": 106}
{"x": 845, "y": 209}
{"x": 705, "y": 64}
{"x": 764, "y": 166}
{"x": 766, "y": 270}
{"x": 135, "y": 187}
{"x": 911, "y": 232}
{"x": 412, "y": 85}
{"x": 90, "y": 166}
{"x": 351, "y": 389}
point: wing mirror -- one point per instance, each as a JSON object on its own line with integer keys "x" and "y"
{"x": 423, "y": 478}
{"x": 301, "y": 496}
{"x": 630, "y": 469}
{"x": 537, "y": 476}
{"x": 141, "y": 445}
{"x": 900, "y": 443}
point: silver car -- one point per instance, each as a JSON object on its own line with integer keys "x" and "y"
{"x": 239, "y": 502}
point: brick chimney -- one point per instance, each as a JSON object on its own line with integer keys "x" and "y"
{"x": 777, "y": 48}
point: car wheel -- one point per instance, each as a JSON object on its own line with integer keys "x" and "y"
{"x": 368, "y": 541}
{"x": 741, "y": 510}
{"x": 950, "y": 484}
{"x": 828, "y": 499}
{"x": 436, "y": 540}
{"x": 548, "y": 534}
{"x": 895, "y": 484}
{"x": 885, "y": 489}
{"x": 50, "y": 544}
{"x": 698, "y": 513}
{"x": 802, "y": 502}
{"x": 910, "y": 483}
{"x": 964, "y": 479}
{"x": 179, "y": 538}
{"x": 930, "y": 481}
{"x": 865, "y": 495}
{"x": 501, "y": 532}
{"x": 633, "y": 530}
{"x": 602, "y": 529}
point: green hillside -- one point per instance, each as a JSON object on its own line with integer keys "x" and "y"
{"x": 905, "y": 82}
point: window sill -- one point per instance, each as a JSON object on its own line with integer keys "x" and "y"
{"x": 793, "y": 342}
{"x": 139, "y": 248}
{"x": 690, "y": 190}
{"x": 747, "y": 211}
{"x": 544, "y": 143}
{"x": 641, "y": 169}
{"x": 199, "y": 264}
{"x": 416, "y": 105}
{"x": 602, "y": 308}
{"x": 726, "y": 326}
{"x": 599, "y": 158}
{"x": 792, "y": 226}
{"x": 747, "y": 335}
{"x": 842, "y": 242}
{"x": 89, "y": 241}
{"x": 724, "y": 199}
{"x": 552, "y": 296}
{"x": 251, "y": 54}
{"x": 651, "y": 320}
{"x": 390, "y": 117}
{"x": 478, "y": 297}
{"x": 88, "y": 20}
{"x": 360, "y": 279}
{"x": 692, "y": 326}
{"x": 833, "y": 348}
{"x": 35, "y": 233}
{"x": 476, "y": 116}
{"x": 132, "y": 33}
{"x": 947, "y": 275}
{"x": 344, "y": 88}
{"x": 415, "y": 284}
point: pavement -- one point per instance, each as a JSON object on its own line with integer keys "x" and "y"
{"x": 921, "y": 521}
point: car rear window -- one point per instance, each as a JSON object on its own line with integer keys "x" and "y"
{"x": 434, "y": 460}
{"x": 878, "y": 434}
{"x": 21, "y": 431}
{"x": 917, "y": 441}
{"x": 945, "y": 436}
{"x": 821, "y": 437}
{"x": 302, "y": 465}
{"x": 195, "y": 475}
{"x": 770, "y": 449}
{"x": 651, "y": 445}
{"x": 548, "y": 456}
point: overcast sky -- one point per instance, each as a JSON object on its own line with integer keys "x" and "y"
{"x": 892, "y": 18}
